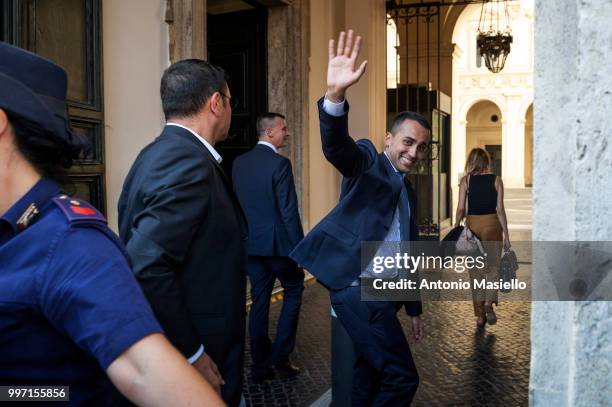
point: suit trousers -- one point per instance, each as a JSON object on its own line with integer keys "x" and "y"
{"x": 384, "y": 373}
{"x": 263, "y": 271}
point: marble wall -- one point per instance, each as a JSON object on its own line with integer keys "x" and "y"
{"x": 571, "y": 361}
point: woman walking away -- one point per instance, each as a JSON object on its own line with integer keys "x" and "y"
{"x": 482, "y": 193}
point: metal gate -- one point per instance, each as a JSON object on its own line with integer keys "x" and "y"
{"x": 416, "y": 88}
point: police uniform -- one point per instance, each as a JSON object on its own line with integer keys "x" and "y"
{"x": 69, "y": 304}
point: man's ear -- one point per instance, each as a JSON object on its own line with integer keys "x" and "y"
{"x": 388, "y": 139}
{"x": 215, "y": 103}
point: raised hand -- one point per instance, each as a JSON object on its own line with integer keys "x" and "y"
{"x": 341, "y": 73}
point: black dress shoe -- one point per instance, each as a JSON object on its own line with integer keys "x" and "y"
{"x": 262, "y": 377}
{"x": 287, "y": 370}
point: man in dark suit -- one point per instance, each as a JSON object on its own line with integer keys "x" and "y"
{"x": 376, "y": 204}
{"x": 263, "y": 181}
{"x": 184, "y": 229}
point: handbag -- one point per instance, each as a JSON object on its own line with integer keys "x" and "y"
{"x": 468, "y": 244}
{"x": 447, "y": 246}
{"x": 507, "y": 268}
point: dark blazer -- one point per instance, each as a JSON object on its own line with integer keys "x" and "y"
{"x": 186, "y": 236}
{"x": 263, "y": 181}
{"x": 331, "y": 251}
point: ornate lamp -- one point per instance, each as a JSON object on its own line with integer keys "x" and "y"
{"x": 493, "y": 42}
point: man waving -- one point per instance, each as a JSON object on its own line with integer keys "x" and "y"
{"x": 376, "y": 204}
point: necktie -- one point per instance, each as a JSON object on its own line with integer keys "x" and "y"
{"x": 404, "y": 220}
{"x": 404, "y": 211}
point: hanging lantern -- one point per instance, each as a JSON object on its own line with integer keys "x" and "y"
{"x": 493, "y": 42}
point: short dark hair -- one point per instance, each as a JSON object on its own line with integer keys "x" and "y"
{"x": 408, "y": 115}
{"x": 264, "y": 121}
{"x": 50, "y": 155}
{"x": 186, "y": 85}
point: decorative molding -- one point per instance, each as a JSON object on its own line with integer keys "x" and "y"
{"x": 485, "y": 81}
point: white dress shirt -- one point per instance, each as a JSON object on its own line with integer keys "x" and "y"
{"x": 333, "y": 108}
{"x": 208, "y": 146}
{"x": 265, "y": 143}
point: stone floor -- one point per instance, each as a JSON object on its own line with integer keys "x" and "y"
{"x": 312, "y": 354}
{"x": 519, "y": 207}
{"x": 458, "y": 365}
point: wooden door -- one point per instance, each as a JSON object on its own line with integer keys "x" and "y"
{"x": 68, "y": 32}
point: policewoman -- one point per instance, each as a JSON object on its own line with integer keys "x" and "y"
{"x": 71, "y": 313}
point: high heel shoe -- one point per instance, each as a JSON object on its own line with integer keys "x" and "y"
{"x": 490, "y": 315}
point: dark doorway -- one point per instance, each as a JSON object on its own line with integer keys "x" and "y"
{"x": 237, "y": 43}
{"x": 495, "y": 152}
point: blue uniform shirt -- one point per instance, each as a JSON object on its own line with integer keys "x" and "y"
{"x": 69, "y": 304}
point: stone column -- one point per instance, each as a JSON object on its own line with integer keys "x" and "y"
{"x": 368, "y": 97}
{"x": 377, "y": 65}
{"x": 513, "y": 144}
{"x": 458, "y": 157}
{"x": 288, "y": 43}
{"x": 571, "y": 358}
{"x": 458, "y": 132}
{"x": 186, "y": 29}
{"x": 321, "y": 178}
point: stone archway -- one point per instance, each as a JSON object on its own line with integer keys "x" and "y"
{"x": 511, "y": 89}
{"x": 484, "y": 130}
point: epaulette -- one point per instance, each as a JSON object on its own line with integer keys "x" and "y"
{"x": 77, "y": 209}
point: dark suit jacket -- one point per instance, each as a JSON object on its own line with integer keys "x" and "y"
{"x": 186, "y": 235}
{"x": 264, "y": 184}
{"x": 331, "y": 251}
